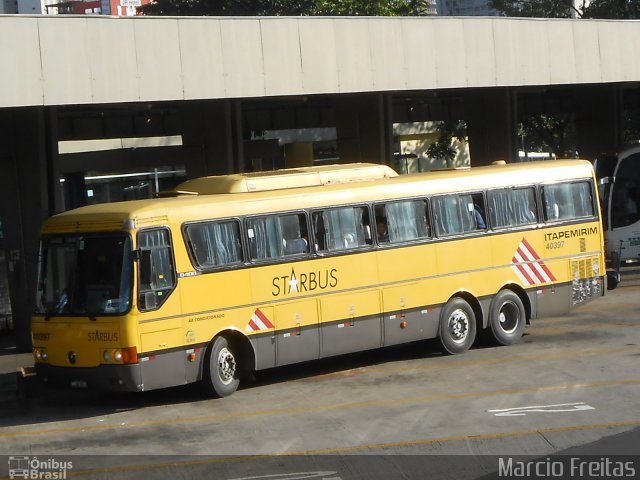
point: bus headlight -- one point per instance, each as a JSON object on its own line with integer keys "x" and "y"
{"x": 40, "y": 355}
{"x": 127, "y": 355}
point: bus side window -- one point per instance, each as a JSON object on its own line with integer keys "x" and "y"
{"x": 402, "y": 221}
{"x": 295, "y": 238}
{"x": 342, "y": 228}
{"x": 479, "y": 211}
{"x": 276, "y": 236}
{"x": 567, "y": 201}
{"x": 445, "y": 213}
{"x": 320, "y": 232}
{"x": 214, "y": 244}
{"x": 512, "y": 207}
{"x": 156, "y": 269}
{"x": 455, "y": 214}
{"x": 264, "y": 239}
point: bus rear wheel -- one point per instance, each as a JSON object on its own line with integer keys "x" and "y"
{"x": 221, "y": 369}
{"x": 507, "y": 318}
{"x": 457, "y": 327}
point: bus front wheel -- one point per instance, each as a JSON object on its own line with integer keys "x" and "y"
{"x": 457, "y": 327}
{"x": 507, "y": 318}
{"x": 221, "y": 369}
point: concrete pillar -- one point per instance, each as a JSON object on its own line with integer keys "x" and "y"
{"x": 491, "y": 125}
{"x": 207, "y": 126}
{"x": 598, "y": 113}
{"x": 362, "y": 123}
{"x": 23, "y": 207}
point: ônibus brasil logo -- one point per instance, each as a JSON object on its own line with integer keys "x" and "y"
{"x": 38, "y": 468}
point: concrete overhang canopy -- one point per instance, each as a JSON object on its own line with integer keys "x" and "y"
{"x": 62, "y": 60}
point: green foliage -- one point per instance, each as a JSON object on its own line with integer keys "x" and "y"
{"x": 286, "y": 7}
{"x": 631, "y": 126}
{"x": 549, "y": 133}
{"x": 533, "y": 8}
{"x": 442, "y": 147}
{"x": 613, "y": 9}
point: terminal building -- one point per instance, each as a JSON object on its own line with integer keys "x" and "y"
{"x": 97, "y": 108}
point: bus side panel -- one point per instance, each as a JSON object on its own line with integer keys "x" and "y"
{"x": 264, "y": 345}
{"x": 297, "y": 333}
{"x": 406, "y": 318}
{"x": 552, "y": 300}
{"x": 408, "y": 312}
{"x": 205, "y": 301}
{"x": 350, "y": 322}
{"x": 166, "y": 369}
{"x": 467, "y": 257}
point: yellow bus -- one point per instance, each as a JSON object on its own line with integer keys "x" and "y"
{"x": 233, "y": 274}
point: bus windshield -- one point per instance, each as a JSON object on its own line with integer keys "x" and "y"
{"x": 84, "y": 275}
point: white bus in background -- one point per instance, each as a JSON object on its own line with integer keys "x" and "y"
{"x": 619, "y": 187}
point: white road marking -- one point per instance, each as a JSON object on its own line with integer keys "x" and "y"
{"x": 557, "y": 408}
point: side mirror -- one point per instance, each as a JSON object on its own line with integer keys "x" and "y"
{"x": 605, "y": 180}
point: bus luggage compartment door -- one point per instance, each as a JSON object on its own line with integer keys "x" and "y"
{"x": 404, "y": 318}
{"x": 350, "y": 323}
{"x": 297, "y": 333}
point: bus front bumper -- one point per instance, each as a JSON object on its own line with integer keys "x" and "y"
{"x": 119, "y": 378}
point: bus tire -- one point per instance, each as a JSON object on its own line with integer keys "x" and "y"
{"x": 507, "y": 318}
{"x": 221, "y": 369}
{"x": 457, "y": 330}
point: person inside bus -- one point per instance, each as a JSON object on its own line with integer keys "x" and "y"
{"x": 383, "y": 232}
{"x": 480, "y": 223}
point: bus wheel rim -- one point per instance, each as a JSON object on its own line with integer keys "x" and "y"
{"x": 226, "y": 366}
{"x": 509, "y": 317}
{"x": 458, "y": 326}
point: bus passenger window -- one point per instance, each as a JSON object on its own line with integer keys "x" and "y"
{"x": 214, "y": 244}
{"x": 295, "y": 239}
{"x": 512, "y": 207}
{"x": 402, "y": 221}
{"x": 276, "y": 236}
{"x": 478, "y": 210}
{"x": 455, "y": 214}
{"x": 567, "y": 201}
{"x": 342, "y": 228}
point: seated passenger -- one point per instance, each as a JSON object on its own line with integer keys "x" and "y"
{"x": 480, "y": 223}
{"x": 383, "y": 233}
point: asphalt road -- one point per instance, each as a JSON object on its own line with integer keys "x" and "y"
{"x": 565, "y": 400}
